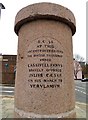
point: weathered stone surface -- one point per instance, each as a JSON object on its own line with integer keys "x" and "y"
{"x": 44, "y": 79}
{"x": 45, "y": 11}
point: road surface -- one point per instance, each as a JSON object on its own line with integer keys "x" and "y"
{"x": 81, "y": 91}
{"x": 6, "y": 90}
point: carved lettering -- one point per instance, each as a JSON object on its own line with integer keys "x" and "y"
{"x": 45, "y": 64}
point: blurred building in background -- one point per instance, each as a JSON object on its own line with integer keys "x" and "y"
{"x": 7, "y": 69}
{"x": 78, "y": 74}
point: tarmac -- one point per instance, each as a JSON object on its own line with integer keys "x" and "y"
{"x": 7, "y": 108}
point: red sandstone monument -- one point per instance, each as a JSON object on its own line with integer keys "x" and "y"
{"x": 44, "y": 85}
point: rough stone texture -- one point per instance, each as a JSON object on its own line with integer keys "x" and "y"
{"x": 45, "y": 11}
{"x": 44, "y": 79}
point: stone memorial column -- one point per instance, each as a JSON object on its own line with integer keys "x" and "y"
{"x": 44, "y": 86}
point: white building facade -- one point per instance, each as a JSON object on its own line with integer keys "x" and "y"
{"x": 77, "y": 70}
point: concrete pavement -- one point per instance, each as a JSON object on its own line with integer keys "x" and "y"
{"x": 8, "y": 108}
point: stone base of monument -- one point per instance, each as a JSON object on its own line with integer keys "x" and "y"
{"x": 44, "y": 85}
{"x": 22, "y": 114}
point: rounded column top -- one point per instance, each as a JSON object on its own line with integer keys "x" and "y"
{"x": 45, "y": 10}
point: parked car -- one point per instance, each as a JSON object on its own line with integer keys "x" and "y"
{"x": 85, "y": 80}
